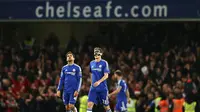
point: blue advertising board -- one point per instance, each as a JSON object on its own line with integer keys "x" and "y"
{"x": 99, "y": 10}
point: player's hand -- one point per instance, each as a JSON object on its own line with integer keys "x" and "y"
{"x": 96, "y": 84}
{"x": 109, "y": 95}
{"x": 129, "y": 100}
{"x": 58, "y": 94}
{"x": 75, "y": 93}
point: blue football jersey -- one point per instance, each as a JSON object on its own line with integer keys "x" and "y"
{"x": 70, "y": 78}
{"x": 97, "y": 70}
{"x": 121, "y": 96}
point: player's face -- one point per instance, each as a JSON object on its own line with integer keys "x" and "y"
{"x": 115, "y": 76}
{"x": 97, "y": 56}
{"x": 70, "y": 58}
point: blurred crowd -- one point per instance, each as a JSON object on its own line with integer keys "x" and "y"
{"x": 156, "y": 59}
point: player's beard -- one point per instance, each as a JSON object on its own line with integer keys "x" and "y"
{"x": 69, "y": 61}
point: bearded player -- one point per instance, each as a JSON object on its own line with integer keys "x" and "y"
{"x": 71, "y": 79}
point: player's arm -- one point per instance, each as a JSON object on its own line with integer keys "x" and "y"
{"x": 106, "y": 72}
{"x": 90, "y": 74}
{"x": 103, "y": 78}
{"x": 90, "y": 78}
{"x": 128, "y": 95}
{"x": 115, "y": 91}
{"x": 61, "y": 83}
{"x": 79, "y": 80}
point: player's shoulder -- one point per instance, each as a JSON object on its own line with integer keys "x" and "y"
{"x": 65, "y": 66}
{"x": 104, "y": 61}
{"x": 122, "y": 82}
{"x": 93, "y": 61}
{"x": 119, "y": 82}
{"x": 77, "y": 66}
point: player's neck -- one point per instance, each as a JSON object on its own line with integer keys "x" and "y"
{"x": 70, "y": 63}
{"x": 119, "y": 78}
{"x": 97, "y": 60}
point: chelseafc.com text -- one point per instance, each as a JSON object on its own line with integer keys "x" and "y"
{"x": 70, "y": 10}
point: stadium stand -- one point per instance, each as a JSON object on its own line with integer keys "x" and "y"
{"x": 158, "y": 60}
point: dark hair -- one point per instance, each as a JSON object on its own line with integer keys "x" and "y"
{"x": 70, "y": 53}
{"x": 118, "y": 72}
